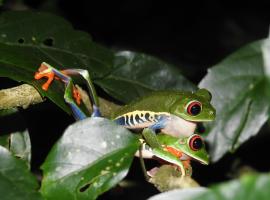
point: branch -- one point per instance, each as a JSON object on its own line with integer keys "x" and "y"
{"x": 20, "y": 96}
{"x": 26, "y": 95}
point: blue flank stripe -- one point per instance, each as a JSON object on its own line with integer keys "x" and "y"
{"x": 120, "y": 121}
{"x": 78, "y": 114}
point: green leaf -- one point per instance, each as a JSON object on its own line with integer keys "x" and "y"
{"x": 29, "y": 38}
{"x": 238, "y": 86}
{"x": 92, "y": 156}
{"x": 250, "y": 186}
{"x": 16, "y": 182}
{"x": 16, "y": 141}
{"x": 136, "y": 74}
{"x": 125, "y": 75}
{"x": 18, "y": 144}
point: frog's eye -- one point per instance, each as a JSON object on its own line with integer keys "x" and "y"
{"x": 196, "y": 143}
{"x": 194, "y": 108}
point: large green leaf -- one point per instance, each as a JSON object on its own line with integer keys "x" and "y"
{"x": 29, "y": 38}
{"x": 16, "y": 182}
{"x": 238, "y": 86}
{"x": 136, "y": 74}
{"x": 250, "y": 186}
{"x": 92, "y": 156}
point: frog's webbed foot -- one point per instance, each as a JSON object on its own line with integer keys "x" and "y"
{"x": 72, "y": 95}
{"x": 46, "y": 71}
{"x": 76, "y": 95}
{"x": 170, "y": 158}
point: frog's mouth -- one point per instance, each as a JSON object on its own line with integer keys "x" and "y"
{"x": 202, "y": 161}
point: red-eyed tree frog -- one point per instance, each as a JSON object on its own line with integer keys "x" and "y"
{"x": 172, "y": 112}
{"x": 177, "y": 151}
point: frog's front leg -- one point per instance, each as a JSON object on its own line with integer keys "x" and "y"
{"x": 165, "y": 153}
{"x": 167, "y": 156}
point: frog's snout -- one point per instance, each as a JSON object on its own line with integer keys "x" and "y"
{"x": 212, "y": 114}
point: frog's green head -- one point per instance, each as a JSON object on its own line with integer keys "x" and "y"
{"x": 194, "y": 147}
{"x": 195, "y": 107}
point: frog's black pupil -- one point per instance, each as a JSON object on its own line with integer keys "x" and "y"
{"x": 195, "y": 109}
{"x": 197, "y": 143}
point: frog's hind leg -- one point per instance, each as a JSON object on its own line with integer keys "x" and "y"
{"x": 51, "y": 73}
{"x": 90, "y": 86}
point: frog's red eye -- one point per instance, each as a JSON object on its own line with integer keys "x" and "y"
{"x": 194, "y": 108}
{"x": 196, "y": 143}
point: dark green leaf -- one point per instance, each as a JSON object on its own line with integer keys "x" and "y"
{"x": 16, "y": 182}
{"x": 124, "y": 75}
{"x": 237, "y": 85}
{"x": 29, "y": 38}
{"x": 250, "y": 186}
{"x": 92, "y": 156}
{"x": 136, "y": 74}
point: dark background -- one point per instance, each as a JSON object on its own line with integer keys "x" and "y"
{"x": 193, "y": 35}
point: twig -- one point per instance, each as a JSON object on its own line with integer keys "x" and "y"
{"x": 20, "y": 96}
{"x": 26, "y": 95}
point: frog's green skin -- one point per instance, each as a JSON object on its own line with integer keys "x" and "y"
{"x": 167, "y": 111}
{"x": 183, "y": 145}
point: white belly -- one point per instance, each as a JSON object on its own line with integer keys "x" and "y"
{"x": 179, "y": 127}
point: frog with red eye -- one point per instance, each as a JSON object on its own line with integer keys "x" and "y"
{"x": 177, "y": 151}
{"x": 175, "y": 113}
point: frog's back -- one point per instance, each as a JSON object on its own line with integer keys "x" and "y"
{"x": 159, "y": 101}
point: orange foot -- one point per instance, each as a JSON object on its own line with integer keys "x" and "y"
{"x": 45, "y": 71}
{"x": 77, "y": 95}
